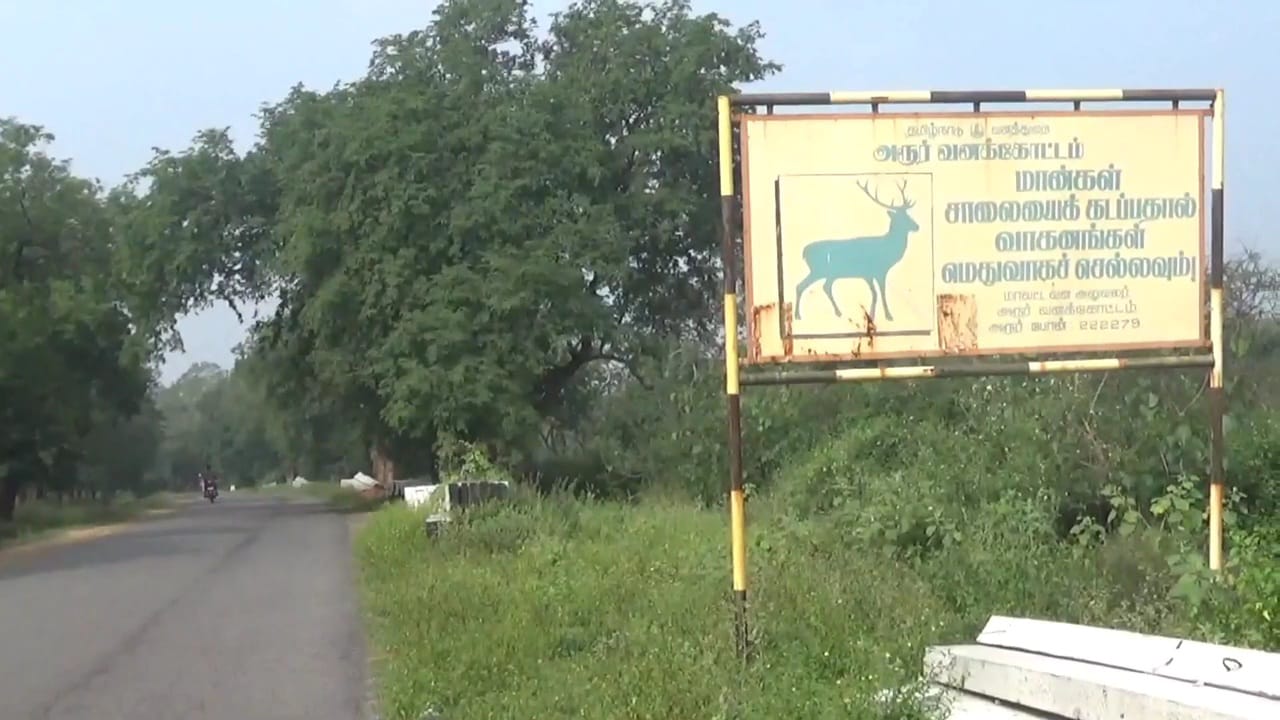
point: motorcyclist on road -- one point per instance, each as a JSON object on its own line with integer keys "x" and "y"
{"x": 208, "y": 480}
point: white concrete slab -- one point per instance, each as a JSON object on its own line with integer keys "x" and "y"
{"x": 1222, "y": 666}
{"x": 965, "y": 706}
{"x": 1085, "y": 691}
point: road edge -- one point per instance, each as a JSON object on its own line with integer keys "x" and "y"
{"x": 369, "y": 708}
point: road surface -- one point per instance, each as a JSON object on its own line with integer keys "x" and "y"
{"x": 241, "y": 610}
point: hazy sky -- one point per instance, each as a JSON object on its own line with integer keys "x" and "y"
{"x": 114, "y": 78}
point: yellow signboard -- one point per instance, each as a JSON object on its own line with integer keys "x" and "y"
{"x": 892, "y": 235}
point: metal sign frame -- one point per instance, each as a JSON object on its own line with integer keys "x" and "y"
{"x": 732, "y": 217}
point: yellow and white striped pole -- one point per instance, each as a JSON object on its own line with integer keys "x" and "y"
{"x": 737, "y": 499}
{"x": 1217, "y": 393}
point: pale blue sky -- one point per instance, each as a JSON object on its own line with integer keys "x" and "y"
{"x": 112, "y": 79}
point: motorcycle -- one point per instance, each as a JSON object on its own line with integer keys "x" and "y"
{"x": 211, "y": 492}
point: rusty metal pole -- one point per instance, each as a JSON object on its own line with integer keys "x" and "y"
{"x": 1217, "y": 391}
{"x": 737, "y": 498}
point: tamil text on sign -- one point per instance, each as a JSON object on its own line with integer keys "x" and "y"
{"x": 874, "y": 236}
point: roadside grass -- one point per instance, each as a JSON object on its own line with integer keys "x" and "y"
{"x": 38, "y": 519}
{"x": 337, "y": 497}
{"x": 872, "y": 541}
{"x": 342, "y": 499}
{"x": 556, "y": 607}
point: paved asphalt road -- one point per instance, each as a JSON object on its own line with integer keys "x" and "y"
{"x": 241, "y": 610}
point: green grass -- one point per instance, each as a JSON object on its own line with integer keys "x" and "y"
{"x": 555, "y": 608}
{"x": 38, "y": 518}
{"x": 338, "y": 497}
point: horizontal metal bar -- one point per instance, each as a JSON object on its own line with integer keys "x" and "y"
{"x": 977, "y": 96}
{"x": 983, "y": 369}
{"x": 868, "y": 97}
{"x": 1187, "y": 94}
{"x": 795, "y": 98}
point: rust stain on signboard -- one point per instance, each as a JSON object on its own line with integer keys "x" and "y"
{"x": 865, "y": 343}
{"x": 760, "y": 315}
{"x": 957, "y": 323}
{"x": 787, "y": 345}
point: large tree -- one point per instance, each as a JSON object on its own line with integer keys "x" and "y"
{"x": 69, "y": 357}
{"x": 455, "y": 236}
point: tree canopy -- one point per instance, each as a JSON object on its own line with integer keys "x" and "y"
{"x": 455, "y": 237}
{"x": 70, "y": 359}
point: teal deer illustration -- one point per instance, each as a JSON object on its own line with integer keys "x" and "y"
{"x": 869, "y": 258}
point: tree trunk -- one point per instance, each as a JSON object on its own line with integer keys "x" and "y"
{"x": 376, "y": 460}
{"x": 432, "y": 464}
{"x": 384, "y": 466}
{"x": 8, "y": 496}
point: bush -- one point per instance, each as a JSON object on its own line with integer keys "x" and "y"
{"x": 551, "y": 607}
{"x": 883, "y": 519}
